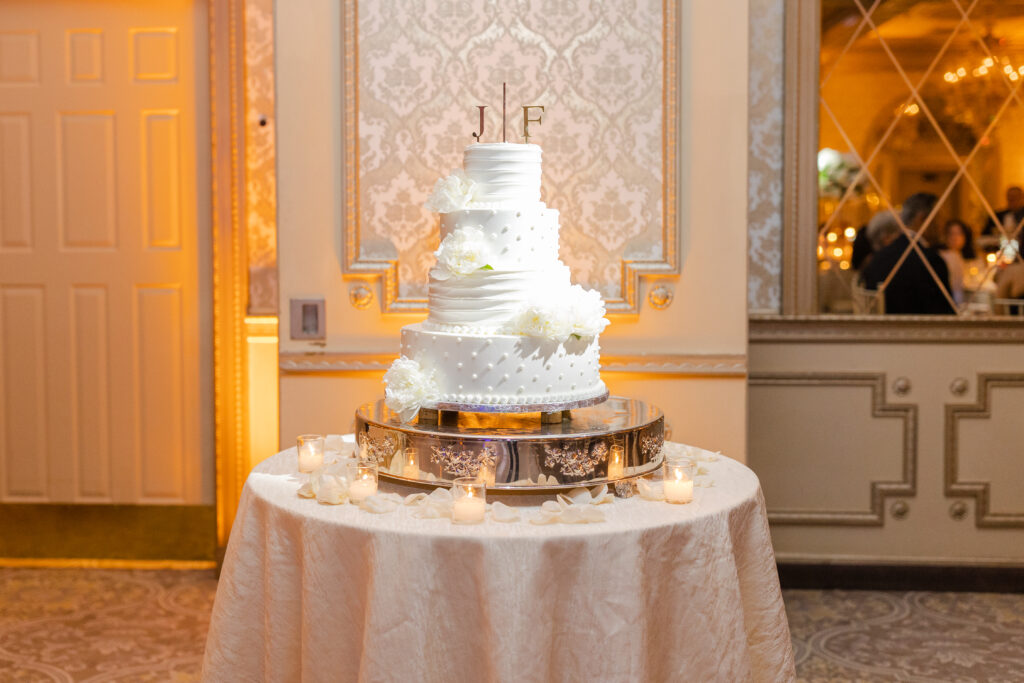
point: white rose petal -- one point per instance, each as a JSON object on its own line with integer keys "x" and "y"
{"x": 409, "y": 387}
{"x": 451, "y": 194}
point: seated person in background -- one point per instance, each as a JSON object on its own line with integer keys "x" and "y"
{"x": 1010, "y": 285}
{"x": 862, "y": 248}
{"x": 912, "y": 289}
{"x": 1010, "y": 217}
{"x": 958, "y": 247}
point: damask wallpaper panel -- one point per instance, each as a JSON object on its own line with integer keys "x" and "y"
{"x": 764, "y": 185}
{"x": 260, "y": 158}
{"x": 596, "y": 67}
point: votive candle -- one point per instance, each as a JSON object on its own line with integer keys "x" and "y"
{"x": 616, "y": 461}
{"x": 411, "y": 469}
{"x": 364, "y": 481}
{"x": 311, "y": 452}
{"x": 470, "y": 500}
{"x": 678, "y": 482}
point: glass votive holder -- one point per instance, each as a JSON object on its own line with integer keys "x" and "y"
{"x": 616, "y": 461}
{"x": 411, "y": 468}
{"x": 678, "y": 481}
{"x": 363, "y": 480}
{"x": 470, "y": 500}
{"x": 311, "y": 452}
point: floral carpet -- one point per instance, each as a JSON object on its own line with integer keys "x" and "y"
{"x": 119, "y": 625}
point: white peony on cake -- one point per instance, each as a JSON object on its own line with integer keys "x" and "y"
{"x": 507, "y": 331}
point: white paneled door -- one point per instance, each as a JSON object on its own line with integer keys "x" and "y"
{"x": 105, "y": 389}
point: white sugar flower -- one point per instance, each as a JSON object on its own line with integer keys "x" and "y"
{"x": 451, "y": 194}
{"x": 462, "y": 252}
{"x": 409, "y": 387}
{"x": 544, "y": 321}
{"x": 586, "y": 309}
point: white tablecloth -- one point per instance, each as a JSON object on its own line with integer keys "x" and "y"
{"x": 658, "y": 592}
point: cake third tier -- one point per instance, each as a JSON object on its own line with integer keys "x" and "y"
{"x": 506, "y": 327}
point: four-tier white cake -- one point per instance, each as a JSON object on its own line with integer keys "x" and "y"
{"x": 507, "y": 331}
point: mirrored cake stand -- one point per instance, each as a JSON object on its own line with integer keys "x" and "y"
{"x": 612, "y": 442}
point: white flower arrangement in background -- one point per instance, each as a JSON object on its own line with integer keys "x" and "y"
{"x": 451, "y": 194}
{"x": 409, "y": 387}
{"x": 462, "y": 252}
{"x": 577, "y": 313}
{"x": 836, "y": 172}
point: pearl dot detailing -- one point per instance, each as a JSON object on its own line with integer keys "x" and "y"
{"x": 473, "y": 354}
{"x": 490, "y": 366}
{"x": 475, "y": 376}
{"x": 459, "y": 366}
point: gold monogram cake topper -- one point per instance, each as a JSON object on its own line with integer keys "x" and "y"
{"x": 527, "y": 120}
{"x": 526, "y": 117}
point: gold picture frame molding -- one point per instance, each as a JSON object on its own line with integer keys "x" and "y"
{"x": 631, "y": 270}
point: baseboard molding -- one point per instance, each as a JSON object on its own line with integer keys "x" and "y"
{"x": 826, "y": 576}
{"x": 109, "y": 534}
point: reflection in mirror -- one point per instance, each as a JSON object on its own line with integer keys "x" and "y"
{"x": 921, "y": 161}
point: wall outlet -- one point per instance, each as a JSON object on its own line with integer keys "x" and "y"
{"x": 307, "y": 319}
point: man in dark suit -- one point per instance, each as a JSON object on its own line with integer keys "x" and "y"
{"x": 912, "y": 289}
{"x": 1010, "y": 217}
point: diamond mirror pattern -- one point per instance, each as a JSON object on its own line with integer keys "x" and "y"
{"x": 921, "y": 161}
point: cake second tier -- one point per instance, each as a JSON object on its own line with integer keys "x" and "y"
{"x": 506, "y": 371}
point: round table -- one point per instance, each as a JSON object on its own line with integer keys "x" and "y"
{"x": 657, "y": 592}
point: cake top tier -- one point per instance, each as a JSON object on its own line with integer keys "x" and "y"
{"x": 504, "y": 171}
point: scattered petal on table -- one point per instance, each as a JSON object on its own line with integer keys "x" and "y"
{"x": 504, "y": 513}
{"x": 380, "y": 504}
{"x": 551, "y": 506}
{"x": 333, "y": 490}
{"x": 579, "y": 496}
{"x": 650, "y": 490}
{"x": 415, "y": 498}
{"x": 306, "y": 490}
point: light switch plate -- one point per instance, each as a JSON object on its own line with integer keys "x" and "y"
{"x": 307, "y": 319}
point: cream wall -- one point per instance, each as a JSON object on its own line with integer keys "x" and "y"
{"x": 708, "y": 316}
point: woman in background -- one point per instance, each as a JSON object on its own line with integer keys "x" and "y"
{"x": 958, "y": 247}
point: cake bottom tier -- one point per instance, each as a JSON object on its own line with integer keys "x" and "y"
{"x": 507, "y": 371}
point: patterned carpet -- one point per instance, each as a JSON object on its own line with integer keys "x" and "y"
{"x": 108, "y": 625}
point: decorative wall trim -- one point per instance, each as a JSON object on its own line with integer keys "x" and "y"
{"x": 704, "y": 365}
{"x": 230, "y": 286}
{"x": 631, "y": 270}
{"x": 297, "y": 362}
{"x": 868, "y": 329}
{"x": 715, "y": 365}
{"x": 979, "y": 491}
{"x": 880, "y": 490}
{"x": 800, "y": 170}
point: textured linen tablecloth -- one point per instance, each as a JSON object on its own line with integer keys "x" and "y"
{"x": 658, "y": 592}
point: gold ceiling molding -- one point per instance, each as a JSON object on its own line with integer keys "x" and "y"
{"x": 880, "y": 490}
{"x": 704, "y": 365}
{"x": 979, "y": 491}
{"x": 876, "y": 329}
{"x": 355, "y": 265}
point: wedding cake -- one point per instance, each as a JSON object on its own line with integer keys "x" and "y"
{"x": 507, "y": 331}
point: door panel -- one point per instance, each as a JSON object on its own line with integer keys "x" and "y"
{"x": 104, "y": 318}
